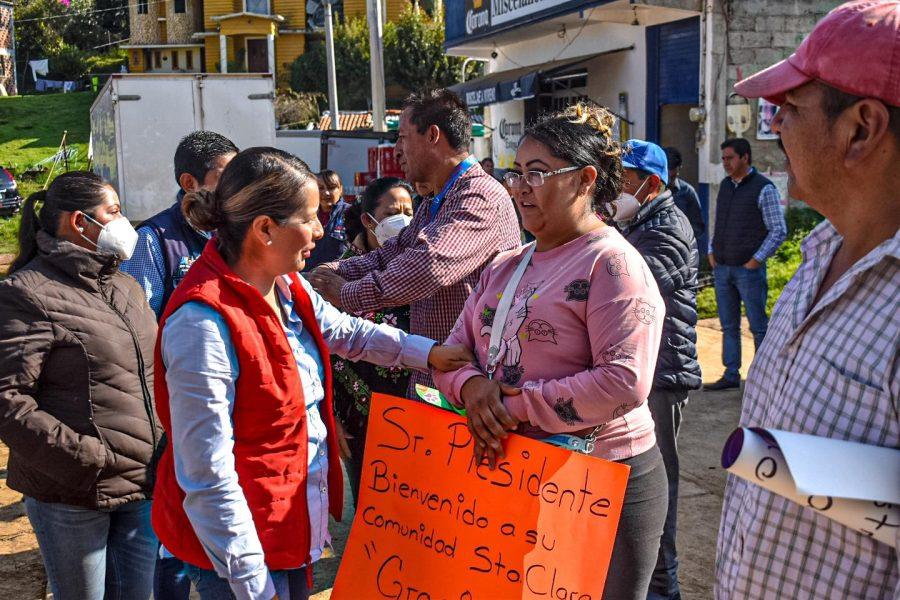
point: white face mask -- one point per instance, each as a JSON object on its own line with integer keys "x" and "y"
{"x": 390, "y": 227}
{"x": 117, "y": 237}
{"x": 626, "y": 205}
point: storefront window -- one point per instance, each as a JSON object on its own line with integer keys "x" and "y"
{"x": 558, "y": 103}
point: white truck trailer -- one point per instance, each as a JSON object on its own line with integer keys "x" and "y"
{"x": 138, "y": 120}
{"x": 345, "y": 152}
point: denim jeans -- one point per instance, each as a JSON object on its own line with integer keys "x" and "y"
{"x": 170, "y": 580}
{"x": 733, "y": 286}
{"x": 666, "y": 407}
{"x": 94, "y": 554}
{"x": 289, "y": 585}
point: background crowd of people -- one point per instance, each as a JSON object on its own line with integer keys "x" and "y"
{"x": 177, "y": 398}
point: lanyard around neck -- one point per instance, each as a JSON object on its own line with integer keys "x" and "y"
{"x": 436, "y": 202}
{"x": 506, "y": 299}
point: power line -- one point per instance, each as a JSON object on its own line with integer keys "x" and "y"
{"x": 111, "y": 43}
{"x": 89, "y": 12}
{"x": 577, "y": 35}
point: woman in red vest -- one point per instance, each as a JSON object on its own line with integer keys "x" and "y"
{"x": 243, "y": 387}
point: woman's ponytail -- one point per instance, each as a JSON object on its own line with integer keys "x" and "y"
{"x": 28, "y": 229}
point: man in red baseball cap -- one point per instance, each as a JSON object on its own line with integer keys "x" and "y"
{"x": 829, "y": 366}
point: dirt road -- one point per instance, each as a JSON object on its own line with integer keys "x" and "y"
{"x": 708, "y": 419}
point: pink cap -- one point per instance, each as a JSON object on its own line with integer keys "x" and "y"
{"x": 855, "y": 48}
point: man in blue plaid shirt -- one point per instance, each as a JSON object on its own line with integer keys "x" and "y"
{"x": 749, "y": 228}
{"x": 167, "y": 243}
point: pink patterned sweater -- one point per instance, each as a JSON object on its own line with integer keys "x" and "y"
{"x": 581, "y": 340}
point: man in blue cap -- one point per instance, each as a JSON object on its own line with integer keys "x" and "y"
{"x": 648, "y": 218}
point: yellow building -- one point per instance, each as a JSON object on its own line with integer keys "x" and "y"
{"x": 256, "y": 36}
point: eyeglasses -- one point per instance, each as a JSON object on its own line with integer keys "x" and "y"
{"x": 533, "y": 178}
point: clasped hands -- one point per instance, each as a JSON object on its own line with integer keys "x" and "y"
{"x": 488, "y": 419}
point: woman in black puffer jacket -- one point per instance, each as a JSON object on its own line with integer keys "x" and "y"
{"x": 76, "y": 411}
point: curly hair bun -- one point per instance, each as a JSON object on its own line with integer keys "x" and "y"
{"x": 203, "y": 210}
{"x": 595, "y": 117}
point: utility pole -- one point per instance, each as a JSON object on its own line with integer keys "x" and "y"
{"x": 376, "y": 62}
{"x": 332, "y": 75}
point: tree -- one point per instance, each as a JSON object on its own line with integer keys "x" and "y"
{"x": 38, "y": 35}
{"x": 351, "y": 57}
{"x": 295, "y": 110}
{"x": 414, "y": 59}
{"x": 414, "y": 55}
{"x": 50, "y": 29}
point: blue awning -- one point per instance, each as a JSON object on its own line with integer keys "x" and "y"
{"x": 515, "y": 84}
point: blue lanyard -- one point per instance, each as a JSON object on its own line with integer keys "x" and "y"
{"x": 436, "y": 202}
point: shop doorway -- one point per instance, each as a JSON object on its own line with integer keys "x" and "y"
{"x": 673, "y": 88}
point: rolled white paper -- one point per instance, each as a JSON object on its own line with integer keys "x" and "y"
{"x": 754, "y": 455}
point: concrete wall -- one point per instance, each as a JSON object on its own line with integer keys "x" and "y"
{"x": 624, "y": 71}
{"x": 761, "y": 33}
{"x": 136, "y": 61}
{"x": 391, "y": 9}
{"x": 608, "y": 75}
{"x": 294, "y": 13}
{"x": 288, "y": 46}
{"x": 6, "y": 30}
{"x": 211, "y": 54}
{"x": 6, "y": 74}
{"x": 217, "y": 8}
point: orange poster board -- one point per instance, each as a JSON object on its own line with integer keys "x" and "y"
{"x": 431, "y": 524}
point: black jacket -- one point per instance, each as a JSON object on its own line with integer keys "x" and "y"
{"x": 663, "y": 236}
{"x": 686, "y": 199}
{"x": 76, "y": 374}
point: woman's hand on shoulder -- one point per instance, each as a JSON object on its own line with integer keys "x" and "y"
{"x": 450, "y": 358}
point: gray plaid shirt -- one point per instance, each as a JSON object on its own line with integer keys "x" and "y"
{"x": 829, "y": 370}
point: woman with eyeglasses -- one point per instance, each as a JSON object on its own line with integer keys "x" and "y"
{"x": 573, "y": 359}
